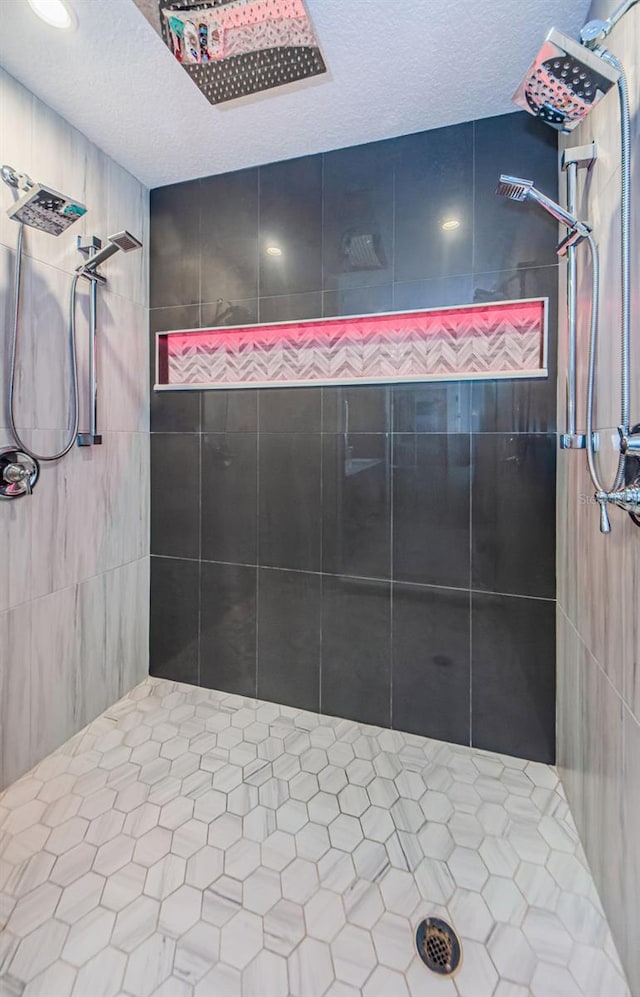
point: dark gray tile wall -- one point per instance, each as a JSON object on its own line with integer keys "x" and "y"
{"x": 384, "y": 553}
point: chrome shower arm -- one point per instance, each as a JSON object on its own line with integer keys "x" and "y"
{"x": 594, "y": 31}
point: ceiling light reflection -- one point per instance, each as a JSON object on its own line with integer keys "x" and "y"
{"x": 55, "y": 13}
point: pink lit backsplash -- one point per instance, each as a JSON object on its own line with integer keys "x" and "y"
{"x": 503, "y": 339}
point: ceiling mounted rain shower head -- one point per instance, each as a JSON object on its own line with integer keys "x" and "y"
{"x": 234, "y": 48}
{"x": 564, "y": 82}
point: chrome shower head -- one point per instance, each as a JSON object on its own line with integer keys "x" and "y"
{"x": 41, "y": 207}
{"x": 564, "y": 82}
{"x": 514, "y": 188}
{"x": 517, "y": 189}
{"x": 121, "y": 241}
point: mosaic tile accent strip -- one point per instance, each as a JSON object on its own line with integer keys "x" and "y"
{"x": 189, "y": 843}
{"x": 507, "y": 339}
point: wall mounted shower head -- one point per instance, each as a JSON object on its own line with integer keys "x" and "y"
{"x": 41, "y": 207}
{"x": 564, "y": 82}
{"x": 121, "y": 241}
{"x": 517, "y": 189}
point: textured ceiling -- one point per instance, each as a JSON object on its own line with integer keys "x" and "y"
{"x": 395, "y": 66}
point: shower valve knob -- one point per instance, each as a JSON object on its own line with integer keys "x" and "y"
{"x": 629, "y": 442}
{"x": 18, "y": 473}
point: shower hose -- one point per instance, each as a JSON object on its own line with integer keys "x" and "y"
{"x": 14, "y": 355}
{"x": 625, "y": 226}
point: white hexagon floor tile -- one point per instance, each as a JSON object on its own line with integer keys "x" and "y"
{"x": 190, "y": 843}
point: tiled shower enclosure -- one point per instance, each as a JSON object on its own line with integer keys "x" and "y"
{"x": 385, "y": 554}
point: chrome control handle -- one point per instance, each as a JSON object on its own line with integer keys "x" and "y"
{"x": 629, "y": 442}
{"x": 18, "y": 473}
{"x": 627, "y": 498}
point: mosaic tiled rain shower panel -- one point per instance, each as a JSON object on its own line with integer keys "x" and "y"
{"x": 498, "y": 340}
{"x": 232, "y": 48}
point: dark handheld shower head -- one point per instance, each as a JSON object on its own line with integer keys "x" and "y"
{"x": 564, "y": 82}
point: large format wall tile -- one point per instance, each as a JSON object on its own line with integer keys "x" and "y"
{"x": 74, "y": 537}
{"x": 174, "y": 637}
{"x": 229, "y": 411}
{"x": 357, "y": 211}
{"x": 599, "y": 576}
{"x": 289, "y": 504}
{"x": 15, "y": 692}
{"x": 431, "y": 674}
{"x": 356, "y": 409}
{"x": 229, "y": 236}
{"x": 431, "y": 501}
{"x": 228, "y": 628}
{"x": 355, "y": 680}
{"x": 356, "y": 505}
{"x": 175, "y": 245}
{"x": 362, "y": 489}
{"x": 75, "y": 589}
{"x": 513, "y": 675}
{"x": 289, "y": 638}
{"x": 290, "y": 410}
{"x": 124, "y": 386}
{"x": 291, "y": 220}
{"x": 520, "y": 146}
{"x": 434, "y": 182}
{"x": 175, "y": 483}
{"x": 230, "y": 497}
{"x": 513, "y": 514}
{"x": 127, "y": 622}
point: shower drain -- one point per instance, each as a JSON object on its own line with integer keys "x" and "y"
{"x": 438, "y": 946}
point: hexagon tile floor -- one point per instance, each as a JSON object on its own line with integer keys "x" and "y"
{"x": 189, "y": 843}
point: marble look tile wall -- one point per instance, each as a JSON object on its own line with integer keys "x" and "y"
{"x": 599, "y": 577}
{"x": 75, "y": 569}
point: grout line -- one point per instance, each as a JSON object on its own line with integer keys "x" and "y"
{"x": 473, "y": 199}
{"x": 617, "y": 692}
{"x": 79, "y": 581}
{"x": 258, "y": 221}
{"x": 363, "y": 578}
{"x": 393, "y": 234}
{"x": 199, "y": 633}
{"x": 391, "y": 483}
{"x": 257, "y": 547}
{"x": 322, "y": 511}
{"x": 471, "y": 466}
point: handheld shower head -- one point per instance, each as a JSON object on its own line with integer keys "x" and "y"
{"x": 121, "y": 241}
{"x": 514, "y": 188}
{"x": 564, "y": 82}
{"x": 517, "y": 189}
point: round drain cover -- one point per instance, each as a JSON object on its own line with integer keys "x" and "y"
{"x": 438, "y": 946}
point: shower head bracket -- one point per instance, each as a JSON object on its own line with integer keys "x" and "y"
{"x": 582, "y": 156}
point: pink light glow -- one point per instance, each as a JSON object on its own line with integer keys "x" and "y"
{"x": 460, "y": 340}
